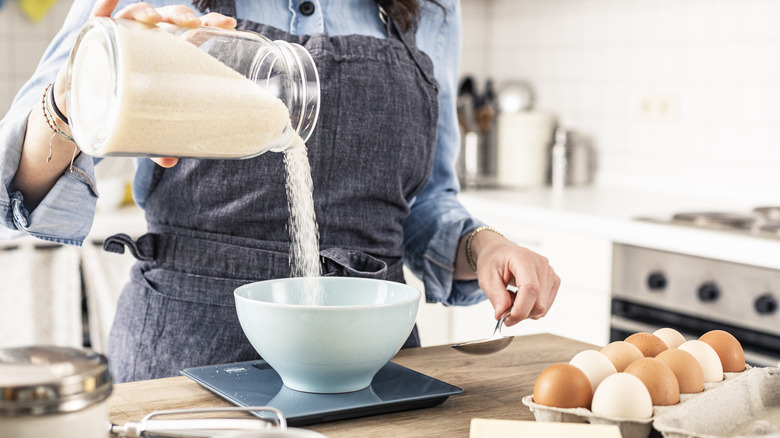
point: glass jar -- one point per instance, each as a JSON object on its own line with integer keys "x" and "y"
{"x": 136, "y": 89}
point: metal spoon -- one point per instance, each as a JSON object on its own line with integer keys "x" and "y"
{"x": 496, "y": 342}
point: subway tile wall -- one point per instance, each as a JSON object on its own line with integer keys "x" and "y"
{"x": 22, "y": 44}
{"x": 676, "y": 94}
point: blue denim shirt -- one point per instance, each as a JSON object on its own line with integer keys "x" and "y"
{"x": 436, "y": 221}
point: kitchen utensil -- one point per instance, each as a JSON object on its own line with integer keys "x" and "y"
{"x": 245, "y": 427}
{"x": 486, "y": 113}
{"x": 53, "y": 391}
{"x": 467, "y": 165}
{"x": 336, "y": 346}
{"x": 493, "y": 344}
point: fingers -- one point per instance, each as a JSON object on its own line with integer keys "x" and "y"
{"x": 175, "y": 14}
{"x": 495, "y": 288}
{"x": 537, "y": 283}
{"x": 139, "y": 12}
{"x": 528, "y": 294}
{"x": 214, "y": 19}
{"x": 179, "y": 15}
{"x": 543, "y": 305}
{"x": 165, "y": 161}
{"x": 104, "y": 8}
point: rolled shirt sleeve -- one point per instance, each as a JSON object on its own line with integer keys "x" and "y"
{"x": 437, "y": 220}
{"x": 65, "y": 215}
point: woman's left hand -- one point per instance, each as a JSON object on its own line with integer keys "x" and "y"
{"x": 500, "y": 263}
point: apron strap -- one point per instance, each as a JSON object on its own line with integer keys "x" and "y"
{"x": 220, "y": 259}
{"x": 408, "y": 39}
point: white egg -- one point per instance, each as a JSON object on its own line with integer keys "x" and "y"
{"x": 671, "y": 337}
{"x": 707, "y": 357}
{"x": 595, "y": 365}
{"x": 622, "y": 395}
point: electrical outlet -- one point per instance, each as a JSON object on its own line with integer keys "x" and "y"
{"x": 659, "y": 106}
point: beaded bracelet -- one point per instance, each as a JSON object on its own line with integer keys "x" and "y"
{"x": 52, "y": 122}
{"x": 50, "y": 118}
{"x": 469, "y": 255}
{"x": 55, "y": 107}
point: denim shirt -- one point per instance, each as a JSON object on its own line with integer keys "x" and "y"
{"x": 436, "y": 221}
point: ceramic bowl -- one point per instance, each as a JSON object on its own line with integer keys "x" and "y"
{"x": 335, "y": 345}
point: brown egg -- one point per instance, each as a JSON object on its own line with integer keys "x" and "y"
{"x": 729, "y": 350}
{"x": 621, "y": 354}
{"x": 690, "y": 377}
{"x": 659, "y": 380}
{"x": 649, "y": 344}
{"x": 562, "y": 385}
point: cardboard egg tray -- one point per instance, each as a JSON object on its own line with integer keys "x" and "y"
{"x": 745, "y": 404}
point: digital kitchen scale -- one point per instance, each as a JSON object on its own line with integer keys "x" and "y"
{"x": 255, "y": 383}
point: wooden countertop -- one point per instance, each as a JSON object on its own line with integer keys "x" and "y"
{"x": 493, "y": 387}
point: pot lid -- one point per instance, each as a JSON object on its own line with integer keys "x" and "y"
{"x": 39, "y": 380}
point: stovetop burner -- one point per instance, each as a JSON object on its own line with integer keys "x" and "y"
{"x": 716, "y": 219}
{"x": 763, "y": 222}
{"x": 770, "y": 229}
{"x": 771, "y": 214}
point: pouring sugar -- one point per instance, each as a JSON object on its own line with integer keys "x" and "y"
{"x": 304, "y": 248}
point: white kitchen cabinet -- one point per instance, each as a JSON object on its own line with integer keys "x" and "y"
{"x": 583, "y": 261}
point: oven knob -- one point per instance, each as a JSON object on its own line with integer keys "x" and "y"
{"x": 656, "y": 281}
{"x": 766, "y": 304}
{"x": 709, "y": 292}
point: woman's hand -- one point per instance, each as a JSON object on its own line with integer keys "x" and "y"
{"x": 500, "y": 263}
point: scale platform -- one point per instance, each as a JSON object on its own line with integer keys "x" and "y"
{"x": 254, "y": 383}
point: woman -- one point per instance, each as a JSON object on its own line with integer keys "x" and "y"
{"x": 382, "y": 159}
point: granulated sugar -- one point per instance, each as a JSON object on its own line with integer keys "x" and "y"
{"x": 176, "y": 97}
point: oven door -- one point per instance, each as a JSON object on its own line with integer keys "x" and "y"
{"x": 627, "y": 318}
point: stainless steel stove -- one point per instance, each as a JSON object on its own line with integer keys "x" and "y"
{"x": 652, "y": 288}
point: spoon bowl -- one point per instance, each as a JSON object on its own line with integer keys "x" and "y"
{"x": 493, "y": 344}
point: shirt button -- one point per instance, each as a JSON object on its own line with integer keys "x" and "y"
{"x": 306, "y": 8}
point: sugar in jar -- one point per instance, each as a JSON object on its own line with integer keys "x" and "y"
{"x": 136, "y": 89}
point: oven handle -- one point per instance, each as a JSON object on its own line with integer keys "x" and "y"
{"x": 631, "y": 326}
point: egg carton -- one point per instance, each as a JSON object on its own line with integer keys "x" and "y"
{"x": 745, "y": 404}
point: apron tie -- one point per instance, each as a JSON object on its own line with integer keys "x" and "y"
{"x": 143, "y": 249}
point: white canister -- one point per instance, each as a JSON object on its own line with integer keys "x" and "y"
{"x": 524, "y": 139}
{"x": 48, "y": 391}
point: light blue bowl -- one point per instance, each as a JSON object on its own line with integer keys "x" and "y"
{"x": 337, "y": 346}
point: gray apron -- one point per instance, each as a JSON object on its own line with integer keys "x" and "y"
{"x": 214, "y": 225}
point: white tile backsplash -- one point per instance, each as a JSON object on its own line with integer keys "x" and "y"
{"x": 22, "y": 44}
{"x": 674, "y": 93}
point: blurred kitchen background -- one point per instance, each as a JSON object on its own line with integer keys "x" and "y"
{"x": 676, "y": 94}
{"x": 671, "y": 97}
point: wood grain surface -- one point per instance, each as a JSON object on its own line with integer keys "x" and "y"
{"x": 493, "y": 386}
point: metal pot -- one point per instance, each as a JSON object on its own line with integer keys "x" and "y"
{"x": 48, "y": 391}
